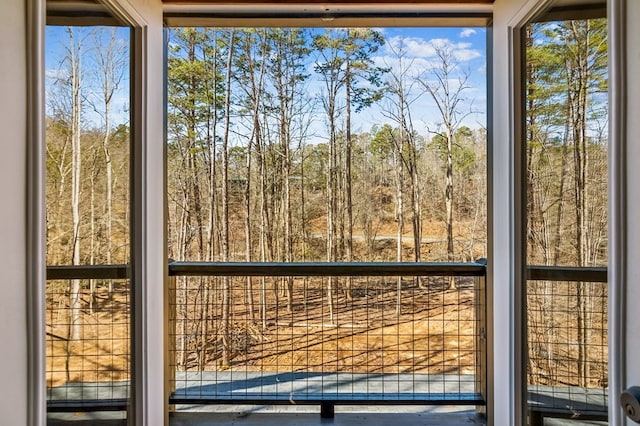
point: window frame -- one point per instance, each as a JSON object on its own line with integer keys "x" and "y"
{"x": 404, "y": 15}
{"x": 549, "y": 10}
{"x": 122, "y": 13}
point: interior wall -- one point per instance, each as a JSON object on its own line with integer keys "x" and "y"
{"x": 13, "y": 350}
{"x": 13, "y": 122}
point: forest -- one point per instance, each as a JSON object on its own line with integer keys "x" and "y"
{"x": 266, "y": 150}
{"x": 243, "y": 130}
{"x": 263, "y": 155}
{"x": 303, "y": 144}
{"x": 566, "y": 198}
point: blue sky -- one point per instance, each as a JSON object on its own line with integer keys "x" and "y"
{"x": 468, "y": 46}
{"x": 57, "y": 43}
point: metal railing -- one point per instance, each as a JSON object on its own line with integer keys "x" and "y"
{"x": 403, "y": 335}
{"x": 88, "y": 338}
{"x": 567, "y": 342}
{"x": 327, "y": 333}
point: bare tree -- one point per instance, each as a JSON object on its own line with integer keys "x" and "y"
{"x": 287, "y": 72}
{"x": 74, "y": 68}
{"x": 226, "y": 289}
{"x": 255, "y": 69}
{"x": 386, "y": 141}
{"x": 446, "y": 86}
{"x": 401, "y": 95}
{"x": 565, "y": 72}
{"x": 111, "y": 59}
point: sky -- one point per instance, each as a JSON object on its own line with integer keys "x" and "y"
{"x": 467, "y": 44}
{"x": 57, "y": 42}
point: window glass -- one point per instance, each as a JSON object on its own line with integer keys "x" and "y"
{"x": 313, "y": 144}
{"x": 88, "y": 213}
{"x": 566, "y": 136}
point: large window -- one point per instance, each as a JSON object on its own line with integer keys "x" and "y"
{"x": 332, "y": 147}
{"x": 308, "y": 144}
{"x": 88, "y": 145}
{"x": 565, "y": 161}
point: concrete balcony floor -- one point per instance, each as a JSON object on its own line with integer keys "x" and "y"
{"x": 231, "y": 415}
{"x": 344, "y": 416}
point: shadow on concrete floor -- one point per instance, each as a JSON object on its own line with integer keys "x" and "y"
{"x": 290, "y": 416}
{"x": 344, "y": 416}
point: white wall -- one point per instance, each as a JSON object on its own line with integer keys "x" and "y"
{"x": 13, "y": 350}
{"x": 13, "y": 125}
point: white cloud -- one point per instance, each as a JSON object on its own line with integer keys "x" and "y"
{"x": 464, "y": 55}
{"x": 411, "y": 67}
{"x": 467, "y": 32}
{"x": 412, "y": 46}
{"x": 56, "y": 74}
{"x": 415, "y": 47}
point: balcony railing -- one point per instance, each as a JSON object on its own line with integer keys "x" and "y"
{"x": 327, "y": 333}
{"x": 317, "y": 333}
{"x": 567, "y": 343}
{"x": 88, "y": 322}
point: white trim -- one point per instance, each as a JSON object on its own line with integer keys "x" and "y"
{"x": 516, "y": 252}
{"x": 617, "y": 193}
{"x": 489, "y": 284}
{"x": 142, "y": 379}
{"x": 125, "y": 12}
{"x": 328, "y": 8}
{"x": 139, "y": 260}
{"x": 327, "y": 14}
{"x": 617, "y": 197}
{"x": 36, "y": 226}
{"x": 148, "y": 241}
{"x": 143, "y": 407}
{"x": 506, "y": 264}
{"x": 527, "y": 12}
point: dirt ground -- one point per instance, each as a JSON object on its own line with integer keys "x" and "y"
{"x": 101, "y": 354}
{"x": 433, "y": 333}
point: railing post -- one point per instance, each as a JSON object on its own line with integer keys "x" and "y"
{"x": 170, "y": 343}
{"x": 481, "y": 337}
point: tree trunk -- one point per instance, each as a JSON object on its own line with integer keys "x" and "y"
{"x": 331, "y": 203}
{"x": 578, "y": 72}
{"x": 399, "y": 178}
{"x": 76, "y": 111}
{"x": 449, "y": 204}
{"x": 226, "y": 290}
{"x": 347, "y": 171}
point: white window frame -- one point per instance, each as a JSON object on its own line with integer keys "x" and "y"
{"x": 617, "y": 194}
{"x": 148, "y": 263}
